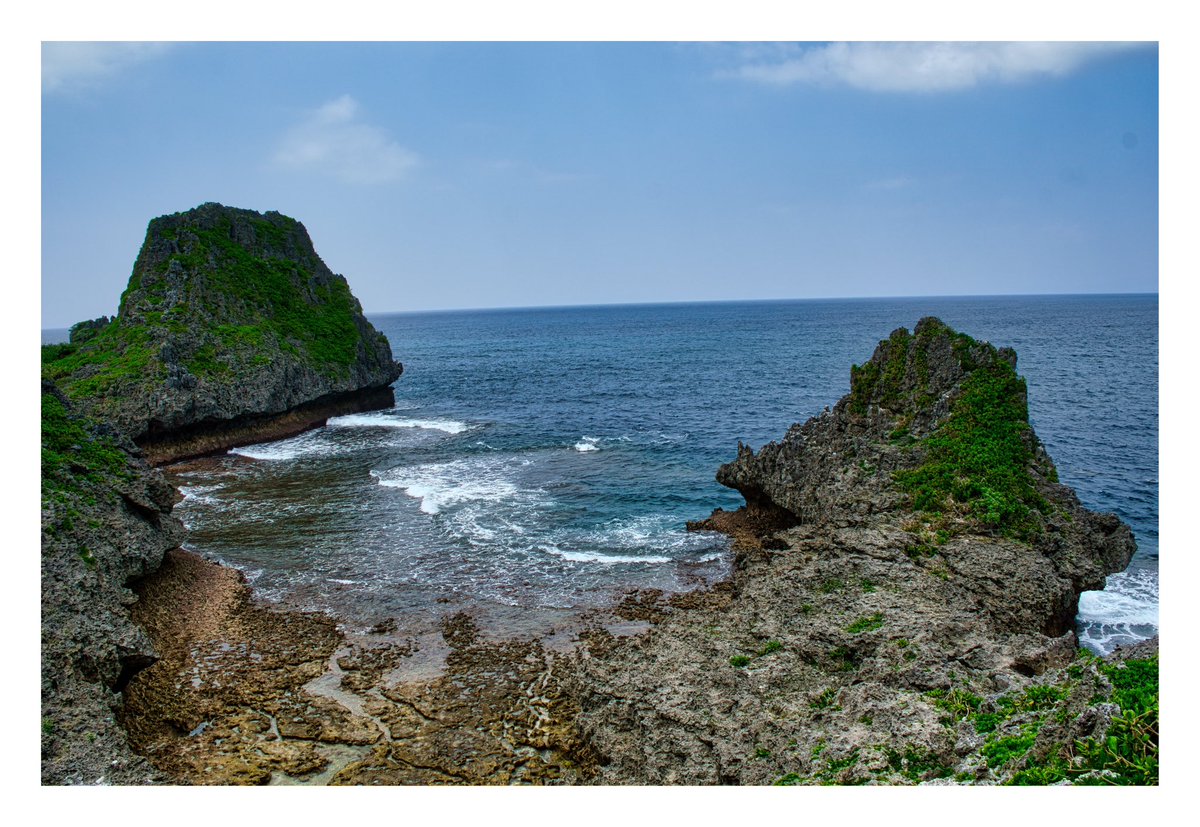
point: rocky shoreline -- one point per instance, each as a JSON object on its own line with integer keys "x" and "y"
{"x": 860, "y": 643}
{"x": 218, "y": 436}
{"x": 906, "y": 574}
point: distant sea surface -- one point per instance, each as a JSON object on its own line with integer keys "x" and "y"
{"x": 540, "y": 462}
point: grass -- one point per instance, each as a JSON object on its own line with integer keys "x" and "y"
{"x": 72, "y": 453}
{"x": 271, "y": 285}
{"x": 978, "y": 461}
{"x": 916, "y": 763}
{"x": 768, "y": 648}
{"x": 866, "y": 624}
{"x": 825, "y": 700}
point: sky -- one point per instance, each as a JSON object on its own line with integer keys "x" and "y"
{"x": 459, "y": 175}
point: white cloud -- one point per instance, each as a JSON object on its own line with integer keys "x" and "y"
{"x": 334, "y": 140}
{"x": 923, "y": 67}
{"x": 83, "y": 65}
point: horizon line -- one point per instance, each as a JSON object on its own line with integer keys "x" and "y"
{"x": 670, "y": 302}
{"x": 778, "y": 300}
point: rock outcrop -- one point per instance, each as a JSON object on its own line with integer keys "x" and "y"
{"x": 232, "y": 330}
{"x": 106, "y": 521}
{"x": 906, "y": 576}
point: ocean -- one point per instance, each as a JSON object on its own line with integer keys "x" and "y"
{"x": 540, "y": 462}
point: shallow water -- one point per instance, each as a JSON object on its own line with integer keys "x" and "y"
{"x": 539, "y": 462}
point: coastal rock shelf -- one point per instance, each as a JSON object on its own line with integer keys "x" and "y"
{"x": 232, "y": 330}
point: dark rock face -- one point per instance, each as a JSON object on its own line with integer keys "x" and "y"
{"x": 230, "y": 319}
{"x": 106, "y": 521}
{"x": 904, "y": 552}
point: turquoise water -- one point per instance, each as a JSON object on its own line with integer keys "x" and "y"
{"x": 541, "y": 461}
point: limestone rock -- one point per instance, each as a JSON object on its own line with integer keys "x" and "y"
{"x": 891, "y": 595}
{"x": 232, "y": 330}
{"x": 106, "y": 521}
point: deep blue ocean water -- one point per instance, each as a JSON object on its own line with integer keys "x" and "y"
{"x": 542, "y": 461}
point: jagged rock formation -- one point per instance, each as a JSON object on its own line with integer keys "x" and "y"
{"x": 106, "y": 520}
{"x": 232, "y": 330}
{"x": 905, "y": 564}
{"x": 937, "y": 423}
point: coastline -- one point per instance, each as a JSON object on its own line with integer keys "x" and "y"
{"x": 830, "y": 651}
{"x": 246, "y": 693}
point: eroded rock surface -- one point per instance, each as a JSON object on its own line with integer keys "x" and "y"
{"x": 245, "y": 694}
{"x": 232, "y": 330}
{"x": 106, "y": 520}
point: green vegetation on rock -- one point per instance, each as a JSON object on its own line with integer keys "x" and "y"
{"x": 71, "y": 453}
{"x": 228, "y": 314}
{"x": 107, "y": 357}
{"x": 273, "y": 284}
{"x": 980, "y": 457}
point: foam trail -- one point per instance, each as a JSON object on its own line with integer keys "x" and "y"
{"x": 603, "y": 559}
{"x": 196, "y": 494}
{"x": 448, "y": 426}
{"x": 310, "y": 443}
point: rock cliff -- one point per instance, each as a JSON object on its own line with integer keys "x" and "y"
{"x": 106, "y": 521}
{"x": 907, "y": 573}
{"x": 231, "y": 330}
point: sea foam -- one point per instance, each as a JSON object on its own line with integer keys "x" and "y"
{"x": 603, "y": 559}
{"x": 448, "y": 426}
{"x": 444, "y": 484}
{"x": 304, "y": 445}
{"x": 1126, "y": 611}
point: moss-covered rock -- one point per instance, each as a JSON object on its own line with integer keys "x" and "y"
{"x": 230, "y": 319}
{"x": 105, "y": 521}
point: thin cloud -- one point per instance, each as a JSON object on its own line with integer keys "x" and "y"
{"x": 922, "y": 67}
{"x": 69, "y": 66}
{"x": 896, "y": 182}
{"x": 335, "y": 140}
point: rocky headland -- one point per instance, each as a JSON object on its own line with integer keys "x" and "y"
{"x": 906, "y": 578}
{"x": 232, "y": 330}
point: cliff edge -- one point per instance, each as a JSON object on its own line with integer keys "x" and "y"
{"x": 231, "y": 330}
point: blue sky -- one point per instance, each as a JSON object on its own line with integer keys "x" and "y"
{"x": 445, "y": 175}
